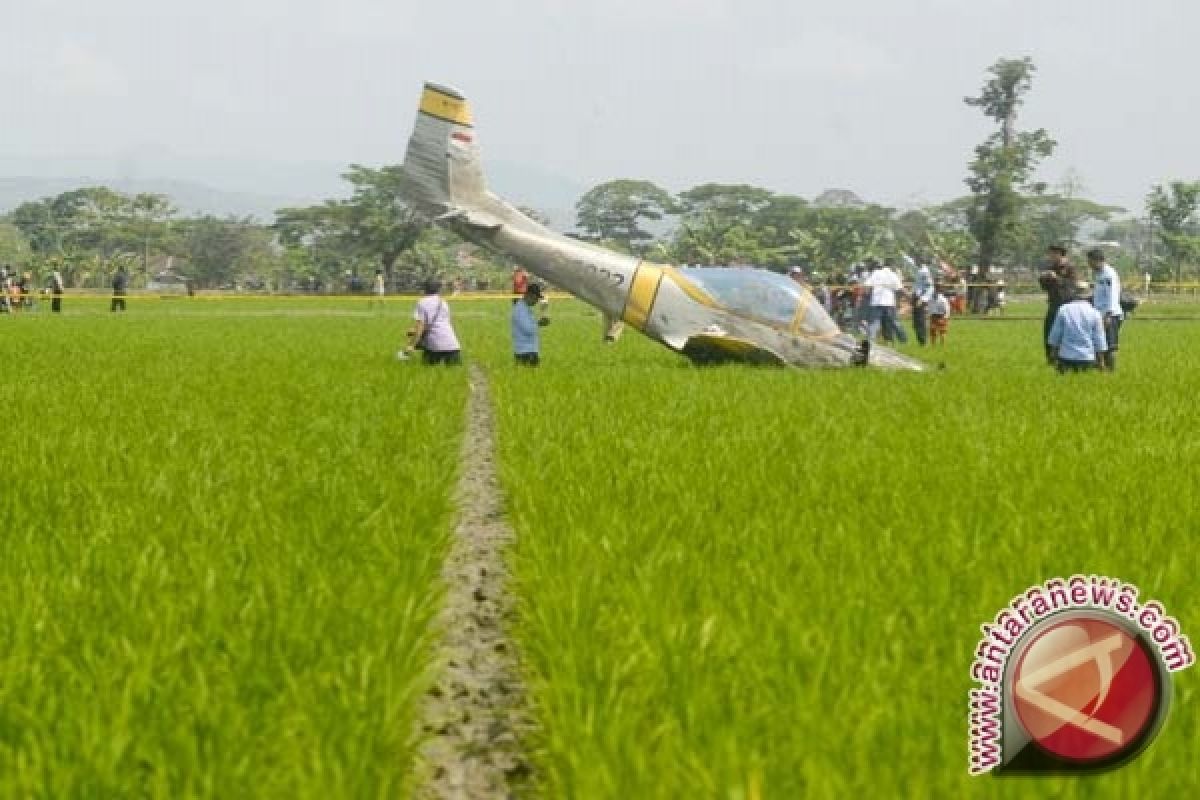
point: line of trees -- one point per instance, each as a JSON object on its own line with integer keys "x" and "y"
{"x": 89, "y": 233}
{"x": 1007, "y": 219}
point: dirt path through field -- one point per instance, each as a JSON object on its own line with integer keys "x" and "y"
{"x": 474, "y": 715}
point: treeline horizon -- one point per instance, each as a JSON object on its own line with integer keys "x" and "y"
{"x": 1007, "y": 219}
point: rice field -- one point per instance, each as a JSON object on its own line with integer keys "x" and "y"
{"x": 221, "y": 539}
{"x": 223, "y": 524}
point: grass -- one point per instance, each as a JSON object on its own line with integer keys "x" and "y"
{"x": 222, "y": 526}
{"x": 742, "y": 583}
{"x": 221, "y": 540}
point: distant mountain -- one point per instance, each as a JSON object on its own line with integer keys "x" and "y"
{"x": 189, "y": 197}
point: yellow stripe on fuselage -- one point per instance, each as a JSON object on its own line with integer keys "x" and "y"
{"x": 445, "y": 107}
{"x": 642, "y": 291}
{"x": 806, "y": 297}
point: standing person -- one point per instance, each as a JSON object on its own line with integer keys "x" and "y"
{"x": 1077, "y": 333}
{"x": 858, "y": 299}
{"x": 960, "y": 298}
{"x": 56, "y": 289}
{"x": 823, "y": 295}
{"x": 4, "y": 289}
{"x": 525, "y": 337}
{"x": 433, "y": 334}
{"x": 120, "y": 284}
{"x": 883, "y": 284}
{"x": 939, "y": 316}
{"x": 378, "y": 290}
{"x": 520, "y": 281}
{"x": 1107, "y": 300}
{"x": 922, "y": 294}
{"x": 1058, "y": 279}
{"x": 25, "y": 284}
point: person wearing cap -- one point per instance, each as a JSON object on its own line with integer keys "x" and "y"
{"x": 1058, "y": 280}
{"x": 433, "y": 334}
{"x": 525, "y": 335}
{"x": 1077, "y": 335}
{"x": 1107, "y": 300}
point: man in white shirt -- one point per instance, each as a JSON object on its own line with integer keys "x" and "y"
{"x": 1077, "y": 335}
{"x": 883, "y": 283}
{"x": 1107, "y": 301}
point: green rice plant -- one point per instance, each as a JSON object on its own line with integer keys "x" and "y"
{"x": 221, "y": 538}
{"x": 741, "y": 582}
{"x": 222, "y": 526}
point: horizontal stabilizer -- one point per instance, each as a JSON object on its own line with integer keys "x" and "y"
{"x": 475, "y": 219}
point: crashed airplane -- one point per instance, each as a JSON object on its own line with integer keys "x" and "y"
{"x": 708, "y": 314}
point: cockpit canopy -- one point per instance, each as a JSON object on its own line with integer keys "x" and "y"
{"x": 767, "y": 296}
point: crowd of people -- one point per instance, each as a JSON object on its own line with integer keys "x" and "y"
{"x": 1081, "y": 329}
{"x": 867, "y": 300}
{"x": 14, "y": 291}
{"x": 17, "y": 295}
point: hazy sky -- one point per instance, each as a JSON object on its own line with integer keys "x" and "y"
{"x": 794, "y": 95}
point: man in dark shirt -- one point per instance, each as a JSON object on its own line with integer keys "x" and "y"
{"x": 120, "y": 282}
{"x": 56, "y": 289}
{"x": 1058, "y": 279}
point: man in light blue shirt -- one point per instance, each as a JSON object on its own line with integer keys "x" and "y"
{"x": 922, "y": 295}
{"x": 1077, "y": 335}
{"x": 1108, "y": 302}
{"x": 525, "y": 334}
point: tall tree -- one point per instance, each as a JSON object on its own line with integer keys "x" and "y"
{"x": 148, "y": 224}
{"x": 218, "y": 251}
{"x": 835, "y": 238}
{"x": 1005, "y": 162}
{"x": 614, "y": 212}
{"x": 374, "y": 224}
{"x": 14, "y": 246}
{"x": 728, "y": 204}
{"x": 718, "y": 225}
{"x": 1056, "y": 218}
{"x": 1173, "y": 208}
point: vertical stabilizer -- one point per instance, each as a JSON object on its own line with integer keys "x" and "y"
{"x": 442, "y": 168}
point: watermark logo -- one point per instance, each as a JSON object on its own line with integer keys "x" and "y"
{"x": 1073, "y": 676}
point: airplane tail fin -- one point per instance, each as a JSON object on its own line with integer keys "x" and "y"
{"x": 442, "y": 168}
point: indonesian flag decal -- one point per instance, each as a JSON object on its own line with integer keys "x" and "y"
{"x": 461, "y": 136}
